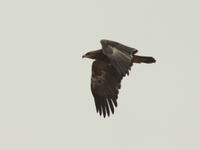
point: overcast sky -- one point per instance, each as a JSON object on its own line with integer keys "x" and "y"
{"x": 45, "y": 97}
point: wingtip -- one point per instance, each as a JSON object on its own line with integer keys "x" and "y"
{"x": 103, "y": 41}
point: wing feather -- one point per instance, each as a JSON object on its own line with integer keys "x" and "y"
{"x": 119, "y": 55}
{"x": 105, "y": 85}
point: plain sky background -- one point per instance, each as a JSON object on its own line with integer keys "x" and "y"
{"x": 45, "y": 97}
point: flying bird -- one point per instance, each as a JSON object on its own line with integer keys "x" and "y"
{"x": 112, "y": 62}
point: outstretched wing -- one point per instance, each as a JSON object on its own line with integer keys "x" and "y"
{"x": 119, "y": 55}
{"x": 105, "y": 85}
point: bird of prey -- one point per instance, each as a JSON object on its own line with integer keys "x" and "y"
{"x": 112, "y": 62}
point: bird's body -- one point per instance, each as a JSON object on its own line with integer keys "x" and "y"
{"x": 111, "y": 64}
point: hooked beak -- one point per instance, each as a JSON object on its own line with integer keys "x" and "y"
{"x": 83, "y": 56}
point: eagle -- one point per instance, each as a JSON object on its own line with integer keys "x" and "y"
{"x": 112, "y": 62}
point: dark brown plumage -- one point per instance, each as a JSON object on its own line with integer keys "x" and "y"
{"x": 111, "y": 64}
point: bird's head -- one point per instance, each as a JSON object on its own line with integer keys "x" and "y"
{"x": 92, "y": 54}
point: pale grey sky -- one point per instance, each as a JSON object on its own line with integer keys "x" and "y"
{"x": 45, "y": 98}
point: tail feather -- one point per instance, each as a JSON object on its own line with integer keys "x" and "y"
{"x": 143, "y": 59}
